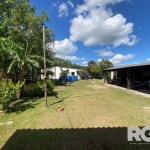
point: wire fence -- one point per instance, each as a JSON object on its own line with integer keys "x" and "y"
{"x": 140, "y": 84}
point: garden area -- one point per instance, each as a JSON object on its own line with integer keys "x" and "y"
{"x": 95, "y": 116}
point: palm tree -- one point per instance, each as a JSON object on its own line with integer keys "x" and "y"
{"x": 4, "y": 61}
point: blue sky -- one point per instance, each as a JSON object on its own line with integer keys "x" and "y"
{"x": 117, "y": 30}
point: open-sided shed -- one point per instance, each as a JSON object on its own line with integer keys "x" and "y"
{"x": 132, "y": 76}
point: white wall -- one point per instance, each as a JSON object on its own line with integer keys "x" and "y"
{"x": 113, "y": 73}
{"x": 57, "y": 71}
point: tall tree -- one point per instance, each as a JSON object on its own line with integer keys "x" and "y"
{"x": 19, "y": 22}
{"x": 90, "y": 63}
{"x": 95, "y": 70}
{"x": 104, "y": 64}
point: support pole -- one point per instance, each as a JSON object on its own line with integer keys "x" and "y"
{"x": 105, "y": 81}
{"x": 45, "y": 86}
{"x": 128, "y": 79}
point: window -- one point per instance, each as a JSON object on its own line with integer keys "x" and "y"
{"x": 72, "y": 73}
{"x": 78, "y": 72}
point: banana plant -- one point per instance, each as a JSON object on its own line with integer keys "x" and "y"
{"x": 21, "y": 58}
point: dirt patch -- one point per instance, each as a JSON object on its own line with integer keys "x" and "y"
{"x": 96, "y": 86}
{"x": 146, "y": 108}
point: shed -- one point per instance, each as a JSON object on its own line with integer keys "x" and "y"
{"x": 131, "y": 76}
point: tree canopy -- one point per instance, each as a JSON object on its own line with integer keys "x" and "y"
{"x": 65, "y": 63}
{"x": 96, "y": 69}
{"x": 20, "y": 23}
{"x": 21, "y": 28}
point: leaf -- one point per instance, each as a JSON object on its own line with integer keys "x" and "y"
{"x": 12, "y": 66}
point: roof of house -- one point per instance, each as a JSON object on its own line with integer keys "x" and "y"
{"x": 127, "y": 66}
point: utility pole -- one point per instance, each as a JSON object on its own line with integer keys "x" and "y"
{"x": 45, "y": 88}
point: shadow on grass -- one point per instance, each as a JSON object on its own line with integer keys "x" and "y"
{"x": 70, "y": 96}
{"x": 59, "y": 101}
{"x": 114, "y": 138}
{"x": 55, "y": 94}
{"x": 21, "y": 105}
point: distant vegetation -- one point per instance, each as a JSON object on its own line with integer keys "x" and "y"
{"x": 65, "y": 63}
{"x": 96, "y": 69}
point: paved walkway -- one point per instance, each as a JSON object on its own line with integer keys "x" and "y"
{"x": 145, "y": 93}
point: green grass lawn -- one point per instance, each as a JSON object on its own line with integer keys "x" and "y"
{"x": 95, "y": 117}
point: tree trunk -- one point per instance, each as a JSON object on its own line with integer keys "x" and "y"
{"x": 21, "y": 76}
{"x": 14, "y": 78}
{"x": 5, "y": 73}
{"x": 32, "y": 74}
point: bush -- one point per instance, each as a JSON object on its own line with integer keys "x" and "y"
{"x": 50, "y": 85}
{"x": 37, "y": 89}
{"x": 31, "y": 90}
{"x": 57, "y": 82}
{"x": 83, "y": 74}
{"x": 9, "y": 92}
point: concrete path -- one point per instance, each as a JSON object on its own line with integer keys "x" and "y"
{"x": 132, "y": 91}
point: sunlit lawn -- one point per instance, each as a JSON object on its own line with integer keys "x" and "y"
{"x": 87, "y": 104}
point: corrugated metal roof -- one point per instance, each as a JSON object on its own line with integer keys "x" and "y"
{"x": 127, "y": 66}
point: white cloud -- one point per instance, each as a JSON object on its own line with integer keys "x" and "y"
{"x": 80, "y": 51}
{"x": 119, "y": 58}
{"x": 104, "y": 52}
{"x": 90, "y": 4}
{"x": 84, "y": 62}
{"x": 62, "y": 10}
{"x": 135, "y": 63}
{"x": 95, "y": 24}
{"x": 64, "y": 47}
{"x": 148, "y": 59}
{"x": 71, "y": 4}
{"x": 55, "y": 3}
{"x": 71, "y": 58}
{"x": 99, "y": 60}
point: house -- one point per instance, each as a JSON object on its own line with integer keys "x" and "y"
{"x": 57, "y": 70}
{"x": 131, "y": 76}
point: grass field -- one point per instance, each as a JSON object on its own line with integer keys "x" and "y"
{"x": 95, "y": 117}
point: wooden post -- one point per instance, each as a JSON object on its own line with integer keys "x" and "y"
{"x": 105, "y": 81}
{"x": 45, "y": 86}
{"x": 128, "y": 79}
{"x": 133, "y": 79}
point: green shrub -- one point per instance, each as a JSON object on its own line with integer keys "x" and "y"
{"x": 83, "y": 74}
{"x": 37, "y": 89}
{"x": 57, "y": 82}
{"x": 9, "y": 92}
{"x": 50, "y": 85}
{"x": 31, "y": 90}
